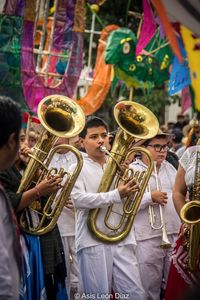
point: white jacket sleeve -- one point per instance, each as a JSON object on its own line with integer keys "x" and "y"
{"x": 85, "y": 200}
{"x": 146, "y": 201}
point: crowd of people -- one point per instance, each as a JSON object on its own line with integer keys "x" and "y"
{"x": 70, "y": 262}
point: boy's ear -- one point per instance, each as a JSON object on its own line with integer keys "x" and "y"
{"x": 82, "y": 142}
{"x": 11, "y": 143}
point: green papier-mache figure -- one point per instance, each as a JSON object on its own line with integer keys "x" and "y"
{"x": 147, "y": 70}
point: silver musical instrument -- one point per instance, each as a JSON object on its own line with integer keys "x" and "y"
{"x": 165, "y": 243}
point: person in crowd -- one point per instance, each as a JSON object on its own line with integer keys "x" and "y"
{"x": 176, "y": 140}
{"x": 181, "y": 278}
{"x": 170, "y": 126}
{"x": 180, "y": 121}
{"x": 64, "y": 158}
{"x": 10, "y": 124}
{"x": 40, "y": 254}
{"x": 32, "y": 138}
{"x": 111, "y": 138}
{"x": 186, "y": 119}
{"x": 164, "y": 128}
{"x": 103, "y": 266}
{"x": 11, "y": 180}
{"x": 156, "y": 223}
{"x": 191, "y": 134}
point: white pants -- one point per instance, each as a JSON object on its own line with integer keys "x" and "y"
{"x": 73, "y": 279}
{"x": 107, "y": 267}
{"x": 154, "y": 264}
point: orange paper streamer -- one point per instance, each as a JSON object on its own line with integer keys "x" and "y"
{"x": 97, "y": 92}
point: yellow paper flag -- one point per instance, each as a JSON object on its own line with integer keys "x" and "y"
{"x": 192, "y": 47}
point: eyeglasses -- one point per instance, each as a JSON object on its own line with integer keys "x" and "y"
{"x": 159, "y": 148}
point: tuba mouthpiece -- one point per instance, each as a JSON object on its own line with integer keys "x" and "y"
{"x": 103, "y": 148}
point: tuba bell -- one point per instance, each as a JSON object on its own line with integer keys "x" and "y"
{"x": 136, "y": 123}
{"x": 60, "y": 117}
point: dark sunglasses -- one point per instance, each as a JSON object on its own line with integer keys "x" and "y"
{"x": 159, "y": 148}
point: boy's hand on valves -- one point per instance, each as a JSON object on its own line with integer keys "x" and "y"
{"x": 126, "y": 189}
{"x": 49, "y": 185}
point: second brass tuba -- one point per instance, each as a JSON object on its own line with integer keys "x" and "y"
{"x": 136, "y": 123}
{"x": 60, "y": 117}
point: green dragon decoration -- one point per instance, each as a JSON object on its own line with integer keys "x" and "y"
{"x": 147, "y": 70}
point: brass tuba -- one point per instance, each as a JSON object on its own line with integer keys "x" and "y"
{"x": 190, "y": 214}
{"x": 60, "y": 117}
{"x": 136, "y": 123}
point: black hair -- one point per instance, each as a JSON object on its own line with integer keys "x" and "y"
{"x": 178, "y": 135}
{"x": 159, "y": 136}
{"x": 93, "y": 121}
{"x": 10, "y": 119}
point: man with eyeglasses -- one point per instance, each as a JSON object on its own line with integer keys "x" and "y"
{"x": 154, "y": 261}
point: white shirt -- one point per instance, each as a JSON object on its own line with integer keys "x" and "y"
{"x": 180, "y": 151}
{"x": 66, "y": 221}
{"x": 188, "y": 162}
{"x": 85, "y": 197}
{"x": 166, "y": 178}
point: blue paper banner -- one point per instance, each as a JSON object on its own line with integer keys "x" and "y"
{"x": 180, "y": 74}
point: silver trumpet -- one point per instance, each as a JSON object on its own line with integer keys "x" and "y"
{"x": 165, "y": 243}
